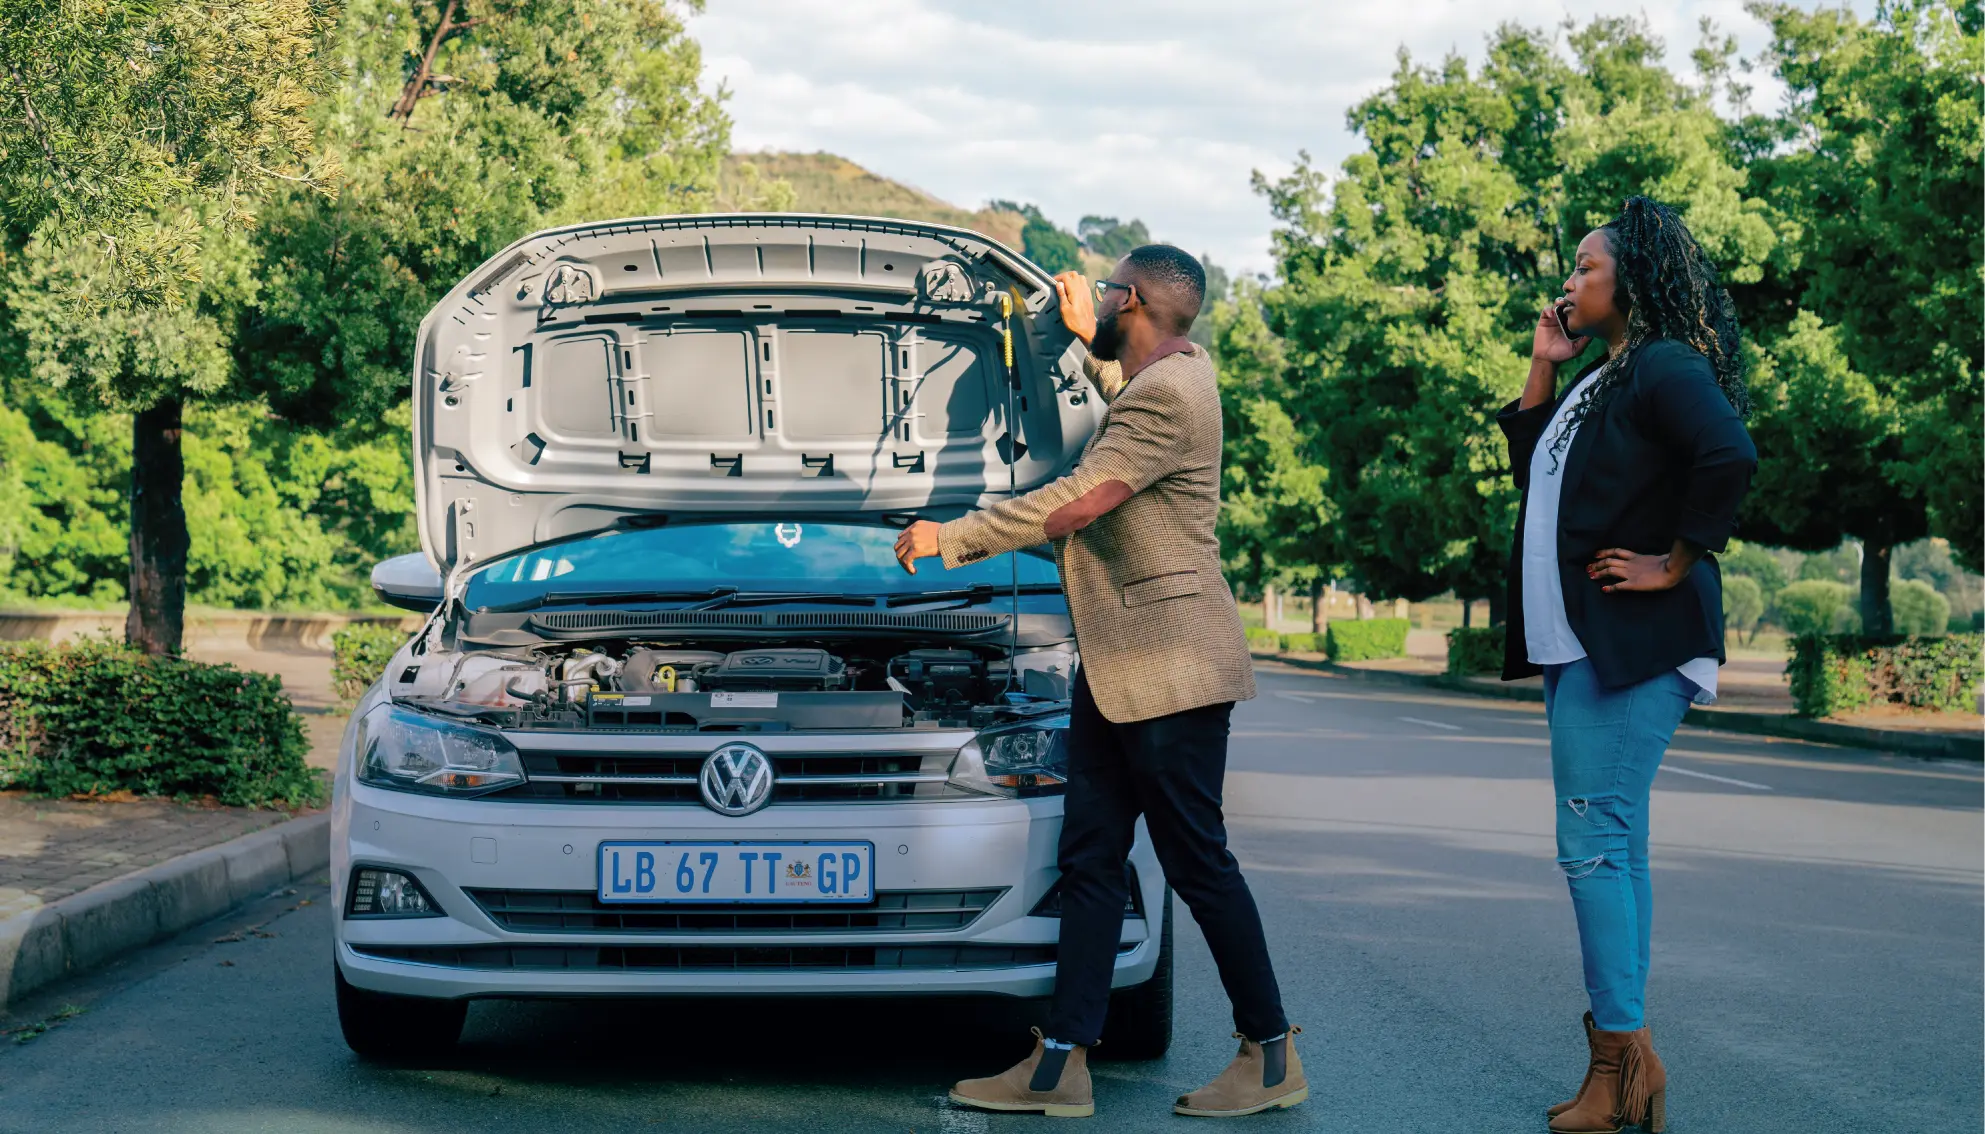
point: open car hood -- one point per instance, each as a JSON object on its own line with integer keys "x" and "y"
{"x": 765, "y": 362}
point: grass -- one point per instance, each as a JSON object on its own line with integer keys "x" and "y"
{"x": 31, "y": 1031}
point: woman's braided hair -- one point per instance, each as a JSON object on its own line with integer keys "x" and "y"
{"x": 1668, "y": 289}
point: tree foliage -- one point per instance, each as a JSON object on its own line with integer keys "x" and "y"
{"x": 1880, "y": 167}
{"x": 1846, "y": 225}
{"x": 1410, "y": 281}
{"x": 1110, "y": 237}
{"x": 296, "y": 332}
{"x": 1743, "y": 603}
{"x": 133, "y": 126}
{"x": 1044, "y": 242}
{"x": 554, "y": 111}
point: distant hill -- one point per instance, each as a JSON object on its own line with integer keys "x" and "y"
{"x": 829, "y": 183}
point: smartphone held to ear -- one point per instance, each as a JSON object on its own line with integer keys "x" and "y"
{"x": 1562, "y": 311}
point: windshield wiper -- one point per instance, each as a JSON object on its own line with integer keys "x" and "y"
{"x": 977, "y": 593}
{"x": 765, "y": 598}
{"x": 596, "y": 598}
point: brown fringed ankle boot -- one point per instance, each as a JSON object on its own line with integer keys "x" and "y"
{"x": 1625, "y": 1085}
{"x": 1562, "y": 1107}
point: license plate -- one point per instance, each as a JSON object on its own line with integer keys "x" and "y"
{"x": 736, "y": 872}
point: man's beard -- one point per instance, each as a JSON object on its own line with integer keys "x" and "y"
{"x": 1107, "y": 345}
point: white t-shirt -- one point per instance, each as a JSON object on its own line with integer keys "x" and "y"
{"x": 1547, "y": 632}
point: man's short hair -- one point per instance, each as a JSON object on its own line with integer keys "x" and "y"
{"x": 1171, "y": 281}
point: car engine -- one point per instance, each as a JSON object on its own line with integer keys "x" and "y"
{"x": 860, "y": 683}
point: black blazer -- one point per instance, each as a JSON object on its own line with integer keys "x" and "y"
{"x": 1667, "y": 457}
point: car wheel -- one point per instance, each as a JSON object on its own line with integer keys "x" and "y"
{"x": 1139, "y": 1025}
{"x": 389, "y": 1028}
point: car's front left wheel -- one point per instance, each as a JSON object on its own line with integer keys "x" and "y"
{"x": 388, "y": 1028}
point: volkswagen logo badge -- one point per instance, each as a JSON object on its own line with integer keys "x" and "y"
{"x": 736, "y": 780}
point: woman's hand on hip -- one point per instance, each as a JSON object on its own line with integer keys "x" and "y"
{"x": 1621, "y": 570}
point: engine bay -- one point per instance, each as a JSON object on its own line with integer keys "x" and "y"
{"x": 865, "y": 683}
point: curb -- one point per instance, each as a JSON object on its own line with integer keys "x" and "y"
{"x": 72, "y": 935}
{"x": 1943, "y": 746}
{"x": 224, "y": 629}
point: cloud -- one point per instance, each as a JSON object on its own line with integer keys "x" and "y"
{"x": 1159, "y": 111}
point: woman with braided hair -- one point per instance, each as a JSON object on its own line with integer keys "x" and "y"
{"x": 1631, "y": 479}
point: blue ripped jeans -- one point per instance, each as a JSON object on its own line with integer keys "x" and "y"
{"x": 1606, "y": 745}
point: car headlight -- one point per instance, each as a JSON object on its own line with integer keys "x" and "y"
{"x": 1015, "y": 760}
{"x": 411, "y": 752}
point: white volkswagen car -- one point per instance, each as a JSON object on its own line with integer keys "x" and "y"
{"x": 678, "y": 723}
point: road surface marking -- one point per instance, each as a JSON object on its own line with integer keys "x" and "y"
{"x": 1718, "y": 779}
{"x": 1432, "y": 724}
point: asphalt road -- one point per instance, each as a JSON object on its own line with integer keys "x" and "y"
{"x": 1817, "y": 969}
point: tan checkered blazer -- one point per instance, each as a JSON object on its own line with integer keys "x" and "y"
{"x": 1133, "y": 532}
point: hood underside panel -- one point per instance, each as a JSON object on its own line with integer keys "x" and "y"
{"x": 759, "y": 363}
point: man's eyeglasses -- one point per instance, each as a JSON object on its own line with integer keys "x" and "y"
{"x": 1103, "y": 289}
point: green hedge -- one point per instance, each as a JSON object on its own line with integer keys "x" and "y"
{"x": 1350, "y": 641}
{"x": 1473, "y": 651}
{"x": 359, "y": 653}
{"x": 1305, "y": 643}
{"x": 1266, "y": 640}
{"x": 97, "y": 717}
{"x": 1842, "y": 673}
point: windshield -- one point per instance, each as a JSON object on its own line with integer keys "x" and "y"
{"x": 757, "y": 556}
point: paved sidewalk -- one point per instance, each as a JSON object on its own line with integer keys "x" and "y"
{"x": 52, "y": 848}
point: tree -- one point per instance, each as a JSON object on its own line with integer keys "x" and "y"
{"x": 132, "y": 126}
{"x": 1813, "y": 606}
{"x": 1109, "y": 237}
{"x": 1931, "y": 561}
{"x": 145, "y": 360}
{"x": 1275, "y": 516}
{"x": 460, "y": 127}
{"x": 1919, "y": 609}
{"x": 1743, "y": 604}
{"x": 1877, "y": 159}
{"x": 1754, "y": 562}
{"x": 1044, "y": 243}
{"x": 1411, "y": 282}
{"x": 1831, "y": 442}
{"x": 144, "y": 134}
{"x": 559, "y": 111}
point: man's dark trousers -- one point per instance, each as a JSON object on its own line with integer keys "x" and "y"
{"x": 1168, "y": 769}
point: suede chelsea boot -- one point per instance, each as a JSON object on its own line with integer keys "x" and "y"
{"x": 1058, "y": 1092}
{"x": 1255, "y": 1081}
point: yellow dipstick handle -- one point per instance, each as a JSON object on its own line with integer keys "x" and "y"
{"x": 1006, "y": 327}
{"x": 666, "y": 675}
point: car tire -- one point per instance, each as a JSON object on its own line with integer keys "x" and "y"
{"x": 1139, "y": 1025}
{"x": 390, "y": 1029}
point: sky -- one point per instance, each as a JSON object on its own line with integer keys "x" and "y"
{"x": 1158, "y": 109}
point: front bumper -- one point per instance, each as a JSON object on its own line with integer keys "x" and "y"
{"x": 454, "y": 846}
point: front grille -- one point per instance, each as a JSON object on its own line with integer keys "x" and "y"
{"x": 618, "y": 777}
{"x": 721, "y": 958}
{"x": 581, "y": 911}
{"x": 1133, "y": 906}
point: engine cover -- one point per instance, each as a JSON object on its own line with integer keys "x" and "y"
{"x": 797, "y": 671}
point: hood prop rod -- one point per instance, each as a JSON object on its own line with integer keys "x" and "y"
{"x": 1012, "y": 480}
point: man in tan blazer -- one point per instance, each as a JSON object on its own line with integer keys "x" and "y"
{"x": 1163, "y": 661}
